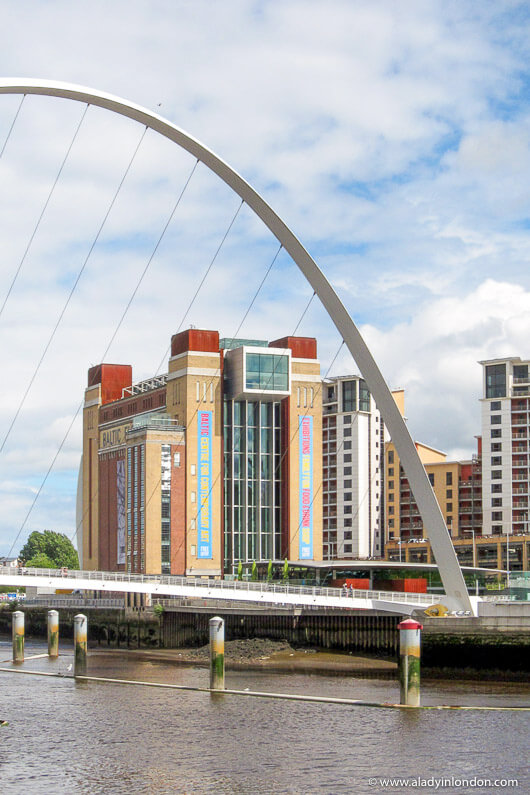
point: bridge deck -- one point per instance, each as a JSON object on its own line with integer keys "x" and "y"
{"x": 261, "y": 592}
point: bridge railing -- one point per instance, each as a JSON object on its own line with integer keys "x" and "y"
{"x": 202, "y": 584}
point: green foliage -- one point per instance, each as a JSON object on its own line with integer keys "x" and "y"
{"x": 254, "y": 575}
{"x": 41, "y": 561}
{"x": 285, "y": 571}
{"x": 239, "y": 571}
{"x": 269, "y": 571}
{"x": 158, "y": 610}
{"x": 55, "y": 547}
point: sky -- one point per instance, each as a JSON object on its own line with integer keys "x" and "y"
{"x": 392, "y": 138}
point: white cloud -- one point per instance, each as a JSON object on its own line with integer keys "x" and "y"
{"x": 393, "y": 138}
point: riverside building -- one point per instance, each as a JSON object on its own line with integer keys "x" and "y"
{"x": 505, "y": 436}
{"x": 217, "y": 461}
{"x": 353, "y": 470}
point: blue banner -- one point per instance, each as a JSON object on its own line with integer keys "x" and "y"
{"x": 204, "y": 458}
{"x": 305, "y": 447}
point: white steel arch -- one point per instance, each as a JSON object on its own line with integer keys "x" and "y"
{"x": 456, "y": 592}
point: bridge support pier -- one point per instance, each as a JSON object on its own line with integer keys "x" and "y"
{"x": 18, "y": 636}
{"x": 409, "y": 662}
{"x": 53, "y": 633}
{"x": 217, "y": 653}
{"x": 80, "y": 644}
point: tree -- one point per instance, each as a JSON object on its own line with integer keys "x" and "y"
{"x": 41, "y": 561}
{"x": 239, "y": 571}
{"x": 56, "y": 547}
{"x": 285, "y": 572}
{"x": 254, "y": 574}
{"x": 269, "y": 571}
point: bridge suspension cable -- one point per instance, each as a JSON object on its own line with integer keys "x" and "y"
{"x": 12, "y": 126}
{"x": 39, "y": 219}
{"x": 72, "y": 289}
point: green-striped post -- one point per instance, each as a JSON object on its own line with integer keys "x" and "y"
{"x": 18, "y": 636}
{"x": 80, "y": 644}
{"x": 409, "y": 662}
{"x": 53, "y": 633}
{"x": 217, "y": 653}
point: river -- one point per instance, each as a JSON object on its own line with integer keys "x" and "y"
{"x": 72, "y": 737}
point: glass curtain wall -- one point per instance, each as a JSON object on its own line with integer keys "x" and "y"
{"x": 252, "y": 474}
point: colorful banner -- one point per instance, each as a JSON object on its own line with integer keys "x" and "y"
{"x": 204, "y": 458}
{"x": 305, "y": 446}
{"x": 120, "y": 509}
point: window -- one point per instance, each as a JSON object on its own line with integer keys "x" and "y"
{"x": 496, "y": 419}
{"x": 391, "y": 510}
{"x": 347, "y": 470}
{"x": 347, "y": 484}
{"x": 496, "y": 516}
{"x": 347, "y": 548}
{"x": 496, "y": 502}
{"x": 347, "y": 496}
{"x": 346, "y": 419}
{"x": 496, "y": 447}
{"x": 267, "y": 371}
{"x": 391, "y": 496}
{"x": 496, "y": 460}
{"x": 364, "y": 396}
{"x": 347, "y": 535}
{"x": 448, "y": 494}
{"x": 347, "y": 509}
{"x": 349, "y": 396}
{"x": 347, "y": 458}
{"x": 390, "y": 457}
{"x": 496, "y": 381}
{"x": 495, "y": 433}
{"x": 496, "y": 488}
{"x": 448, "y": 478}
{"x": 496, "y": 474}
{"x": 431, "y": 478}
{"x": 347, "y": 445}
{"x": 520, "y": 373}
{"x": 347, "y": 431}
{"x": 390, "y": 484}
{"x": 449, "y": 507}
{"x": 391, "y": 472}
{"x": 495, "y": 405}
{"x": 347, "y": 523}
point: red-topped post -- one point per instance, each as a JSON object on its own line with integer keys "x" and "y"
{"x": 409, "y": 662}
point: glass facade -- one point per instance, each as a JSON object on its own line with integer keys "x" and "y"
{"x": 349, "y": 396}
{"x": 364, "y": 396}
{"x": 267, "y": 371}
{"x": 252, "y": 481}
{"x": 496, "y": 381}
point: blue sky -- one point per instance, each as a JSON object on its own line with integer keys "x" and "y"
{"x": 393, "y": 137}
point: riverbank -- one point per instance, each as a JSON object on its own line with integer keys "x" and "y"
{"x": 260, "y": 654}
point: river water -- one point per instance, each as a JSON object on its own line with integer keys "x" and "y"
{"x": 73, "y": 737}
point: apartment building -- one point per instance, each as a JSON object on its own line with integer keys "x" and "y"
{"x": 353, "y": 479}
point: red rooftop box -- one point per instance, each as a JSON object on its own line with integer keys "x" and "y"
{"x": 195, "y": 339}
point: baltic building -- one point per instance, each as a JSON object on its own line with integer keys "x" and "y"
{"x": 216, "y": 462}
